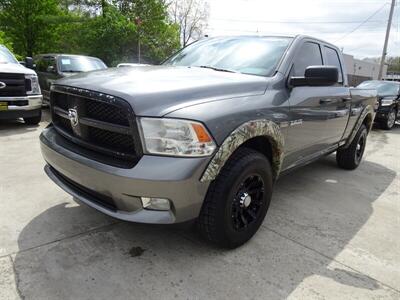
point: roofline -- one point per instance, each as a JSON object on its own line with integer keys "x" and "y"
{"x": 295, "y": 37}
{"x": 251, "y": 35}
{"x": 65, "y": 54}
{"x": 304, "y": 36}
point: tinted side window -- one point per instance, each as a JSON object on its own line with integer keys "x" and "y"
{"x": 332, "y": 59}
{"x": 41, "y": 64}
{"x": 44, "y": 62}
{"x": 309, "y": 55}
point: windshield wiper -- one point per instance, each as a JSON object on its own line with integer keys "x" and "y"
{"x": 217, "y": 69}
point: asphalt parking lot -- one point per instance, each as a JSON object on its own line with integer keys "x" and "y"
{"x": 329, "y": 234}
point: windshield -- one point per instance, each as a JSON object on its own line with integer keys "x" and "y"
{"x": 80, "y": 64}
{"x": 248, "y": 55}
{"x": 6, "y": 56}
{"x": 383, "y": 88}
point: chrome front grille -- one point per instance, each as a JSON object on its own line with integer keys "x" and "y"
{"x": 15, "y": 85}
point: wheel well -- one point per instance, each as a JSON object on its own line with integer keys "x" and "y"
{"x": 261, "y": 144}
{"x": 368, "y": 122}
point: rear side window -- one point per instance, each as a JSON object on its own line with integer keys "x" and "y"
{"x": 309, "y": 55}
{"x": 332, "y": 59}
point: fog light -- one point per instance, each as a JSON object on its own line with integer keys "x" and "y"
{"x": 156, "y": 203}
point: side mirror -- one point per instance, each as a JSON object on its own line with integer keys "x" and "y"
{"x": 50, "y": 69}
{"x": 317, "y": 76}
{"x": 29, "y": 63}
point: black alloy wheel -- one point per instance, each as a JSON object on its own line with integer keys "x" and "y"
{"x": 247, "y": 202}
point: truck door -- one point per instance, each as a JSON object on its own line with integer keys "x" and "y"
{"x": 306, "y": 133}
{"x": 310, "y": 110}
{"x": 338, "y": 100}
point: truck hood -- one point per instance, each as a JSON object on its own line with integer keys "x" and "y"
{"x": 158, "y": 90}
{"x": 15, "y": 69}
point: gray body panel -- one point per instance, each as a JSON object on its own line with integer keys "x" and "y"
{"x": 158, "y": 90}
{"x": 151, "y": 177}
{"x": 301, "y": 123}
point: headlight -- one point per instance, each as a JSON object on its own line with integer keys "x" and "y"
{"x": 175, "y": 137}
{"x": 387, "y": 102}
{"x": 35, "y": 88}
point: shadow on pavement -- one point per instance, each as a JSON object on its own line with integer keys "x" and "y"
{"x": 319, "y": 206}
{"x": 17, "y": 126}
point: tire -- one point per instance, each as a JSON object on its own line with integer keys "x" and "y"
{"x": 240, "y": 194}
{"x": 33, "y": 120}
{"x": 350, "y": 158}
{"x": 390, "y": 120}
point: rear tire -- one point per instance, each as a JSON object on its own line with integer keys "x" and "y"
{"x": 350, "y": 158}
{"x": 390, "y": 120}
{"x": 237, "y": 200}
{"x": 33, "y": 120}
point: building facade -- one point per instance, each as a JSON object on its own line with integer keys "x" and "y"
{"x": 360, "y": 70}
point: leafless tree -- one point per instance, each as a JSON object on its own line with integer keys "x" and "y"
{"x": 191, "y": 16}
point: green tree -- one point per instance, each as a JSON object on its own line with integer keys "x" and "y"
{"x": 159, "y": 38}
{"x": 109, "y": 36}
{"x": 103, "y": 28}
{"x": 393, "y": 64}
{"x": 5, "y": 41}
{"x": 29, "y": 23}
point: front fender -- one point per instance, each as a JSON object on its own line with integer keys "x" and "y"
{"x": 240, "y": 135}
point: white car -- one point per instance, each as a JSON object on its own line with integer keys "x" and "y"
{"x": 20, "y": 95}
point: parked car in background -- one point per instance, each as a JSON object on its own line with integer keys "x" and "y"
{"x": 389, "y": 101}
{"x": 205, "y": 135}
{"x": 130, "y": 65}
{"x": 51, "y": 67}
{"x": 20, "y": 95}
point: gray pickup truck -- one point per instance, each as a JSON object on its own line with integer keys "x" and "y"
{"x": 205, "y": 135}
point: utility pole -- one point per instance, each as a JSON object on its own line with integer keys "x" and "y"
{"x": 138, "y": 23}
{"x": 383, "y": 58}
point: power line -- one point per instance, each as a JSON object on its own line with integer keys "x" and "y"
{"x": 297, "y": 22}
{"x": 262, "y": 31}
{"x": 362, "y": 23}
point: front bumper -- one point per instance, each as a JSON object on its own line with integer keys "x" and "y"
{"x": 26, "y": 106}
{"x": 89, "y": 181}
{"x": 382, "y": 112}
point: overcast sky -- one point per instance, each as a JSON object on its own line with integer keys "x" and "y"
{"x": 331, "y": 20}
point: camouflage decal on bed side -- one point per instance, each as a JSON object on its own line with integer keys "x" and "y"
{"x": 367, "y": 110}
{"x": 240, "y": 135}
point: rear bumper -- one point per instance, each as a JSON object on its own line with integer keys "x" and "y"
{"x": 89, "y": 181}
{"x": 21, "y": 107}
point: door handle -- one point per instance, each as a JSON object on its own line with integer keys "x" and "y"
{"x": 325, "y": 101}
{"x": 346, "y": 99}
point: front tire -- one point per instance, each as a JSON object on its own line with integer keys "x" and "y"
{"x": 350, "y": 158}
{"x": 33, "y": 120}
{"x": 237, "y": 200}
{"x": 390, "y": 120}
